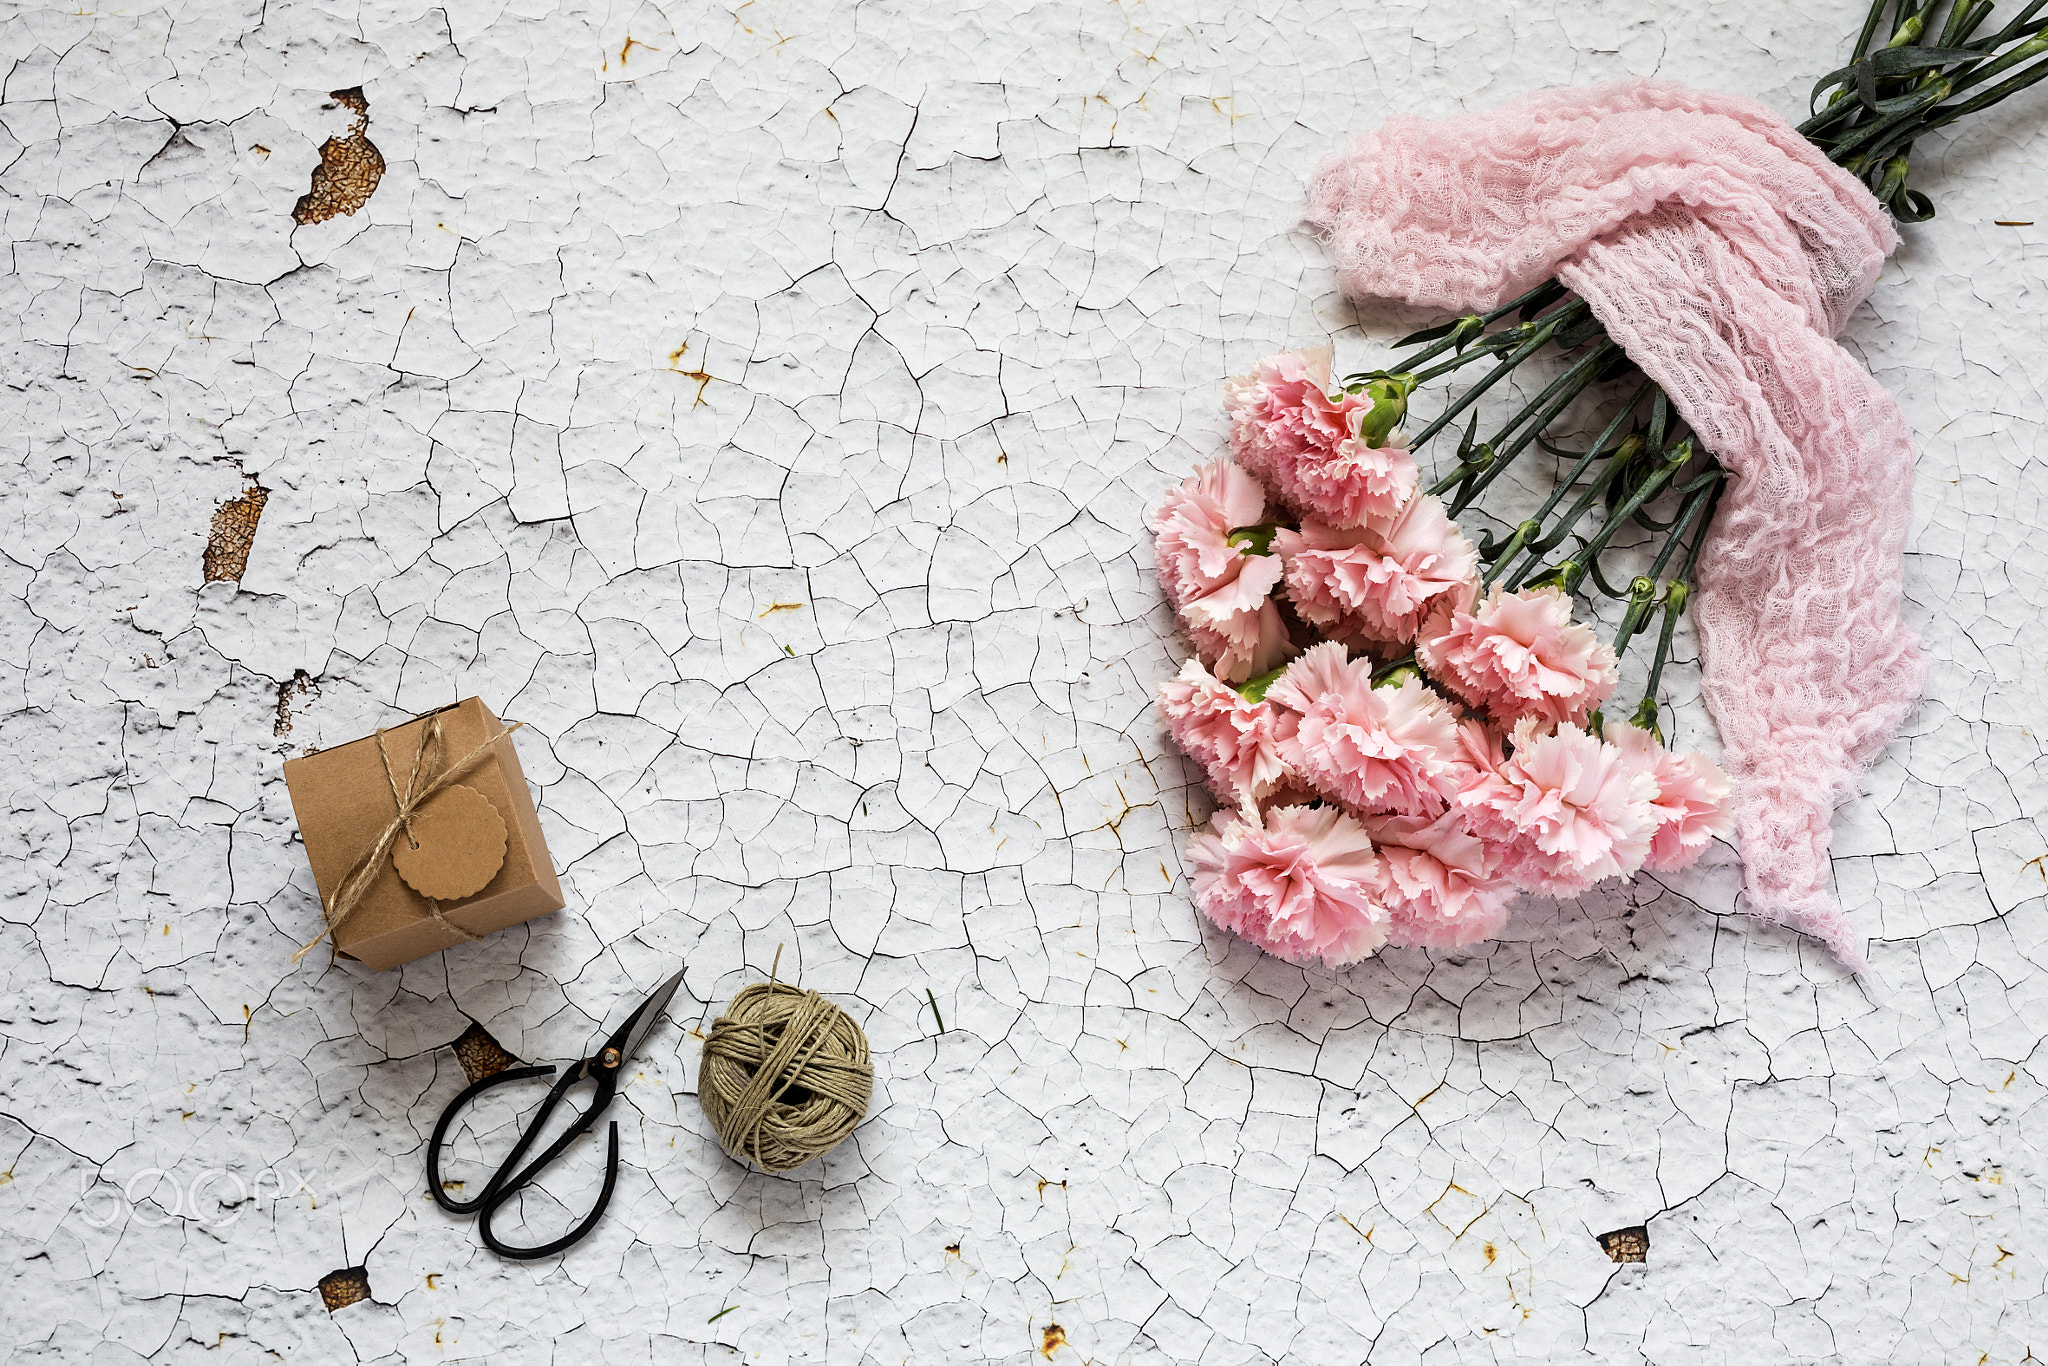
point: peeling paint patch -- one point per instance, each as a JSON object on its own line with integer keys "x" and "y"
{"x": 481, "y": 1055}
{"x": 350, "y": 167}
{"x": 298, "y": 685}
{"x": 340, "y": 1289}
{"x": 233, "y": 536}
{"x": 1622, "y": 1245}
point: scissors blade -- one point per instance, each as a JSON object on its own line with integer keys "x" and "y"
{"x": 641, "y": 1022}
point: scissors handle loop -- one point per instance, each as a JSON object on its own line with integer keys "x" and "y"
{"x": 475, "y": 1089}
{"x": 511, "y": 1178}
{"x": 497, "y": 1201}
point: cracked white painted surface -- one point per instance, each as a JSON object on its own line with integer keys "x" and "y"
{"x": 958, "y": 287}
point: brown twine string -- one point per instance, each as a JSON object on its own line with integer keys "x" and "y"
{"x": 425, "y": 756}
{"x": 785, "y": 1076}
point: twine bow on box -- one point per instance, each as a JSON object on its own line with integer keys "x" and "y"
{"x": 422, "y": 783}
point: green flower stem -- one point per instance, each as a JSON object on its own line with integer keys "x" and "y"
{"x": 1870, "y": 23}
{"x": 1700, "y": 493}
{"x": 1642, "y": 595}
{"x": 2020, "y": 27}
{"x": 1672, "y": 460}
{"x": 1450, "y": 336}
{"x": 1500, "y": 341}
{"x": 1471, "y": 396}
{"x": 1675, "y": 459}
{"x": 1472, "y": 463}
{"x": 1537, "y": 415}
{"x": 1455, "y": 333}
{"x": 1675, "y": 598}
{"x": 1555, "y": 537}
{"x": 1941, "y": 118}
{"x": 1828, "y": 118}
{"x": 1849, "y": 146}
{"x": 1984, "y": 71}
{"x": 1962, "y": 21}
{"x": 1617, "y": 458}
{"x": 1499, "y": 559}
{"x": 1675, "y": 595}
{"x": 1692, "y": 554}
{"x": 1644, "y": 588}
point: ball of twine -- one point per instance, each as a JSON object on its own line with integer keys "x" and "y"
{"x": 785, "y": 1076}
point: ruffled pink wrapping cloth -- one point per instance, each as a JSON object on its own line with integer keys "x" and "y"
{"x": 1724, "y": 252}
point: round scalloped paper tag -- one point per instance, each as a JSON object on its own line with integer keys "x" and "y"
{"x": 456, "y": 847}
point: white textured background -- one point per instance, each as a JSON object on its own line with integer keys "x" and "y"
{"x": 957, "y": 288}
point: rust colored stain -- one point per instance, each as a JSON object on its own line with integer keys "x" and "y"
{"x": 234, "y": 532}
{"x": 349, "y": 168}
{"x": 1055, "y": 1338}
{"x": 703, "y": 378}
{"x": 703, "y": 382}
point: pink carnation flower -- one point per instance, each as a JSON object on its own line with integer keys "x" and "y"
{"x": 1282, "y": 407}
{"x": 1287, "y": 429}
{"x": 1691, "y": 802}
{"x": 1375, "y": 585}
{"x": 1479, "y": 793}
{"x": 1221, "y": 592}
{"x": 1357, "y": 486}
{"x": 1439, "y": 881}
{"x": 1373, "y": 749}
{"x": 1300, "y": 886}
{"x": 1238, "y": 743}
{"x": 1519, "y": 654}
{"x": 1581, "y": 813}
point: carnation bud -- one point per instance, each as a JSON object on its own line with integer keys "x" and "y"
{"x": 1397, "y": 674}
{"x": 1894, "y": 180}
{"x": 1389, "y": 395}
{"x": 1254, "y": 540}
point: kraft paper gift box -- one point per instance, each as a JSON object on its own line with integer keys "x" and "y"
{"x": 461, "y": 849}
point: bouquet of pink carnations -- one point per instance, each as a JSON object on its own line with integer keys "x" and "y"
{"x": 1399, "y": 741}
{"x": 1404, "y": 727}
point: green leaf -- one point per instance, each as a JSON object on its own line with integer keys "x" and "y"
{"x": 1918, "y": 208}
{"x": 1255, "y": 689}
{"x": 1429, "y": 334}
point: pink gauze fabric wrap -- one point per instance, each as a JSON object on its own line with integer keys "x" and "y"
{"x": 1724, "y": 253}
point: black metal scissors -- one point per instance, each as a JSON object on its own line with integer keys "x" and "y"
{"x": 602, "y": 1070}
